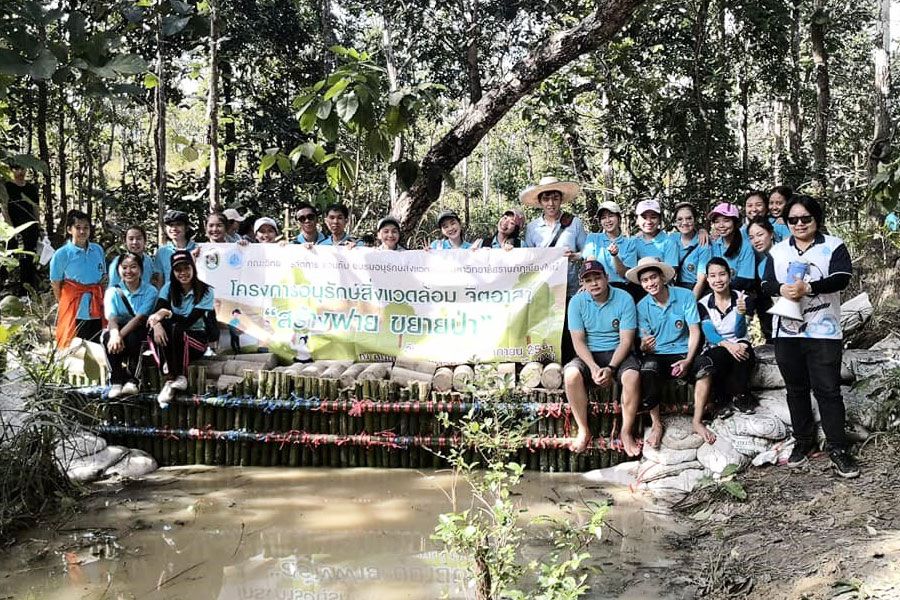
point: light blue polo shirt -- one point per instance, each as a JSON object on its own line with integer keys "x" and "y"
{"x": 142, "y": 300}
{"x": 742, "y": 265}
{"x": 602, "y": 323}
{"x": 539, "y": 235}
{"x": 164, "y": 258}
{"x": 187, "y": 304}
{"x": 662, "y": 247}
{"x": 597, "y": 245}
{"x": 782, "y": 231}
{"x": 320, "y": 237}
{"x": 691, "y": 260}
{"x": 86, "y": 266}
{"x": 670, "y": 323}
{"x": 446, "y": 245}
{"x": 328, "y": 241}
{"x": 146, "y": 274}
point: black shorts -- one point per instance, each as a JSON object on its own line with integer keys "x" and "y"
{"x": 631, "y": 363}
{"x": 661, "y": 366}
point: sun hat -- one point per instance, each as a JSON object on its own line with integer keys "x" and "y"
{"x": 388, "y": 220}
{"x": 726, "y": 210}
{"x": 233, "y": 215}
{"x": 610, "y": 206}
{"x": 264, "y": 221}
{"x": 175, "y": 216}
{"x": 592, "y": 266}
{"x": 568, "y": 189}
{"x": 650, "y": 262}
{"x": 645, "y": 205}
{"x": 447, "y": 214}
{"x": 517, "y": 215}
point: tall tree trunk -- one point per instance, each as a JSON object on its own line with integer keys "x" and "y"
{"x": 394, "y": 85}
{"x": 581, "y": 168}
{"x": 795, "y": 135}
{"x": 473, "y": 35}
{"x": 328, "y": 39}
{"x": 823, "y": 96}
{"x": 61, "y": 162}
{"x": 881, "y": 141}
{"x": 701, "y": 113}
{"x": 160, "y": 137}
{"x": 212, "y": 110}
{"x": 777, "y": 140}
{"x": 478, "y": 119}
{"x": 745, "y": 126}
{"x": 44, "y": 153}
{"x": 485, "y": 177}
{"x": 230, "y": 134}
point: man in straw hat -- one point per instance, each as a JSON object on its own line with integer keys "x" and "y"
{"x": 602, "y": 322}
{"x": 671, "y": 340}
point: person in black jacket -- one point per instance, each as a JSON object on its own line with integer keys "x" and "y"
{"x": 184, "y": 324}
{"x": 22, "y": 207}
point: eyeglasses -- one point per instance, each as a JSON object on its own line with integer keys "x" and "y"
{"x": 805, "y": 219}
{"x": 306, "y": 217}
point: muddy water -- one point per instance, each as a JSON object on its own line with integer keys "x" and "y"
{"x": 236, "y": 534}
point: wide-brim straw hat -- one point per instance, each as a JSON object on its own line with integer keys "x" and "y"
{"x": 650, "y": 262}
{"x": 568, "y": 189}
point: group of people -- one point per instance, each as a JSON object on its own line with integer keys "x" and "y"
{"x": 640, "y": 309}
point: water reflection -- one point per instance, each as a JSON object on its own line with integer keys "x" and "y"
{"x": 317, "y": 534}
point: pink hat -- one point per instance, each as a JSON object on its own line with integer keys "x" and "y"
{"x": 517, "y": 215}
{"x": 645, "y": 205}
{"x": 726, "y": 210}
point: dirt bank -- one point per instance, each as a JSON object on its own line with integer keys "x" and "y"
{"x": 800, "y": 534}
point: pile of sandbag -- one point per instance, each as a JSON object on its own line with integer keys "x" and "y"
{"x": 85, "y": 457}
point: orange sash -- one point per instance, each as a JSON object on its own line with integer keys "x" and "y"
{"x": 69, "y": 301}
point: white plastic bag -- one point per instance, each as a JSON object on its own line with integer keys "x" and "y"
{"x": 716, "y": 457}
{"x": 44, "y": 250}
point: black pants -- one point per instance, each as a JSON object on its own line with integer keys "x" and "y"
{"x": 171, "y": 357}
{"x": 27, "y": 269}
{"x": 125, "y": 366}
{"x": 88, "y": 329}
{"x": 658, "y": 367}
{"x": 636, "y": 292}
{"x": 763, "y": 304}
{"x": 731, "y": 377}
{"x": 805, "y": 364}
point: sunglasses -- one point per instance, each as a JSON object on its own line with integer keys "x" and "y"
{"x": 805, "y": 219}
{"x": 306, "y": 217}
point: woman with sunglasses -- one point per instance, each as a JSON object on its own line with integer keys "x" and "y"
{"x": 808, "y": 350}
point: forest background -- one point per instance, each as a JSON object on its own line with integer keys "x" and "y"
{"x": 125, "y": 108}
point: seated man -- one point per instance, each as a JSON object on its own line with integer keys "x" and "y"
{"x": 602, "y": 321}
{"x": 671, "y": 340}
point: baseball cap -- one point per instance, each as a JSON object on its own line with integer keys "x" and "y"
{"x": 388, "y": 220}
{"x": 611, "y": 207}
{"x": 233, "y": 215}
{"x": 645, "y": 205}
{"x": 592, "y": 266}
{"x": 175, "y": 216}
{"x": 726, "y": 210}
{"x": 447, "y": 214}
{"x": 182, "y": 256}
{"x": 517, "y": 215}
{"x": 264, "y": 221}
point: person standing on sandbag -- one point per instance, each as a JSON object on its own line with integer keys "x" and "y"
{"x": 602, "y": 322}
{"x": 669, "y": 328}
{"x": 808, "y": 351}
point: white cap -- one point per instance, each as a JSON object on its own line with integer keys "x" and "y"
{"x": 645, "y": 205}
{"x": 233, "y": 215}
{"x": 264, "y": 221}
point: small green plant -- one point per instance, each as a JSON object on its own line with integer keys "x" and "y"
{"x": 489, "y": 529}
{"x": 726, "y": 485}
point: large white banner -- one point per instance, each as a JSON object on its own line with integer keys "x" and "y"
{"x": 367, "y": 304}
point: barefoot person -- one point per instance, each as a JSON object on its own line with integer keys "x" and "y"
{"x": 669, "y": 328}
{"x": 808, "y": 351}
{"x": 602, "y": 322}
{"x": 724, "y": 315}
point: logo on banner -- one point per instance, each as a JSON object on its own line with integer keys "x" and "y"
{"x": 212, "y": 260}
{"x": 234, "y": 260}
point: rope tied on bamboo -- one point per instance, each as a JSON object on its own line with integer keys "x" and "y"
{"x": 360, "y": 407}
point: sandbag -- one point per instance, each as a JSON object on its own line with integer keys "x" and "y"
{"x": 855, "y": 312}
{"x": 624, "y": 473}
{"x": 719, "y": 455}
{"x": 90, "y": 468}
{"x": 748, "y": 445}
{"x": 79, "y": 443}
{"x": 775, "y": 401}
{"x": 685, "y": 481}
{"x": 758, "y": 425}
{"x": 651, "y": 471}
{"x": 766, "y": 376}
{"x": 889, "y": 345}
{"x": 865, "y": 364}
{"x": 679, "y": 434}
{"x": 668, "y": 456}
{"x": 136, "y": 463}
{"x": 778, "y": 454}
{"x": 865, "y": 404}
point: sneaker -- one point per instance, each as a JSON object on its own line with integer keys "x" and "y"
{"x": 115, "y": 391}
{"x": 844, "y": 464}
{"x": 798, "y": 456}
{"x": 166, "y": 395}
{"x": 130, "y": 389}
{"x": 744, "y": 404}
{"x": 180, "y": 383}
